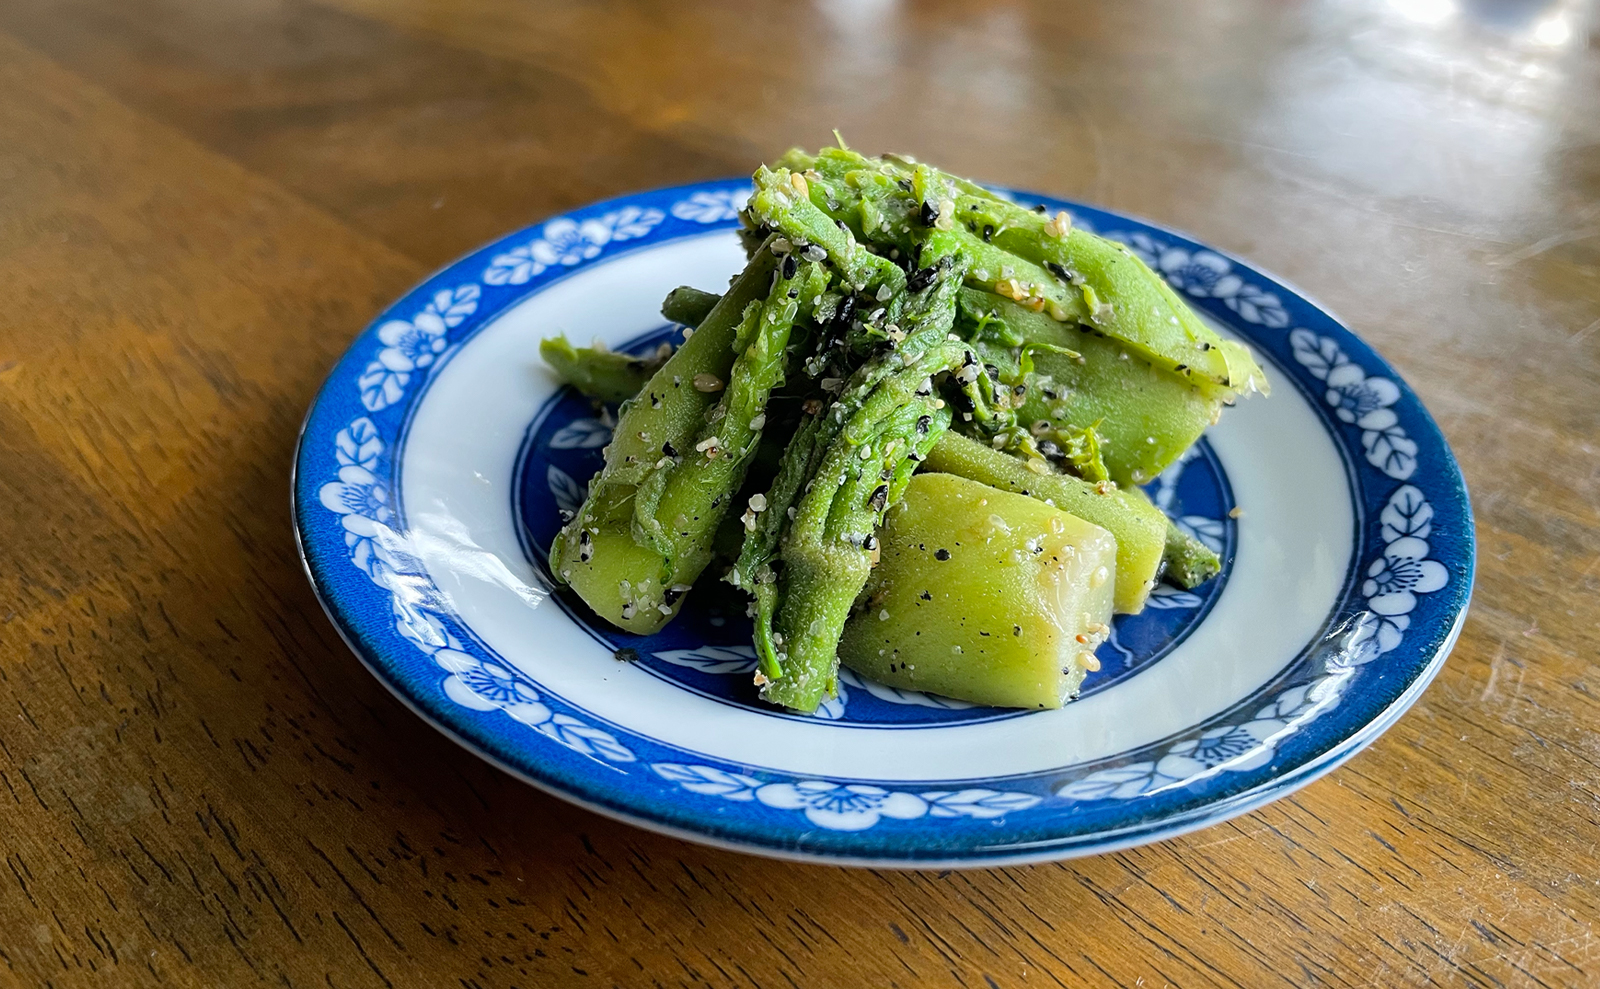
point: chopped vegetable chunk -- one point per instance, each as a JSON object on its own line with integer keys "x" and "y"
{"x": 985, "y": 595}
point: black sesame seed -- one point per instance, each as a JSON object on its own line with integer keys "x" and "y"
{"x": 925, "y": 596}
{"x": 668, "y": 449}
{"x": 941, "y": 555}
{"x": 988, "y": 232}
{"x": 878, "y": 499}
{"x": 923, "y": 425}
{"x": 790, "y": 266}
{"x": 930, "y": 214}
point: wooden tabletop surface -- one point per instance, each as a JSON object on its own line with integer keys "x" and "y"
{"x": 201, "y": 203}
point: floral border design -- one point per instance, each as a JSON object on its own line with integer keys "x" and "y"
{"x": 567, "y": 242}
{"x": 411, "y": 346}
{"x": 845, "y": 806}
{"x": 1394, "y": 579}
{"x": 361, "y": 500}
{"x": 1207, "y": 275}
{"x": 1362, "y": 399}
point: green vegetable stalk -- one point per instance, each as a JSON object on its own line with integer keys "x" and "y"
{"x": 623, "y": 581}
{"x": 599, "y": 373}
{"x": 1139, "y": 526}
{"x": 1145, "y": 417}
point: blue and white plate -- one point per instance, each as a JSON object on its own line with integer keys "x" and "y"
{"x": 433, "y": 465}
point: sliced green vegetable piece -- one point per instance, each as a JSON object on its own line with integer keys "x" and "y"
{"x": 678, "y": 508}
{"x": 688, "y": 305}
{"x": 886, "y": 416}
{"x": 1045, "y": 263}
{"x": 1139, "y": 527}
{"x": 1145, "y": 417}
{"x": 595, "y": 553}
{"x": 983, "y": 595}
{"x": 1189, "y": 561}
{"x": 598, "y": 373}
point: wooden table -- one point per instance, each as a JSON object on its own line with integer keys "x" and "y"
{"x": 201, "y": 203}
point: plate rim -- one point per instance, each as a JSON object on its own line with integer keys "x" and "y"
{"x": 1200, "y": 815}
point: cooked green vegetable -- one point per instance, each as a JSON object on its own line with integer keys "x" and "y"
{"x": 1145, "y": 417}
{"x": 894, "y": 318}
{"x": 1190, "y": 562}
{"x": 1040, "y": 261}
{"x": 678, "y": 507}
{"x": 885, "y": 418}
{"x": 603, "y": 374}
{"x": 1139, "y": 526}
{"x": 624, "y": 579}
{"x": 689, "y": 306}
{"x": 985, "y": 595}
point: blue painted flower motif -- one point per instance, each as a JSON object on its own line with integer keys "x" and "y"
{"x": 414, "y": 344}
{"x": 1355, "y": 397}
{"x": 481, "y": 686}
{"x": 410, "y": 345}
{"x": 497, "y": 684}
{"x": 356, "y": 492}
{"x": 1206, "y": 274}
{"x": 842, "y": 807}
{"x": 1395, "y": 579}
{"x": 1201, "y": 273}
{"x": 1361, "y": 400}
{"x": 712, "y": 206}
{"x": 1237, "y": 746}
{"x": 568, "y": 242}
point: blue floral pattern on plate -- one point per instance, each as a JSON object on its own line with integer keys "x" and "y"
{"x": 1415, "y": 557}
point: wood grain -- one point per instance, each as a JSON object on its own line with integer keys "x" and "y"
{"x": 200, "y": 204}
